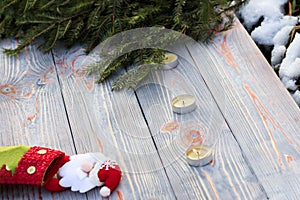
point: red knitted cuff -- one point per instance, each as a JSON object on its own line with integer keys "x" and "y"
{"x": 36, "y": 167}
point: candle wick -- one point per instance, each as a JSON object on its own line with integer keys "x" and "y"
{"x": 183, "y": 102}
{"x": 197, "y": 153}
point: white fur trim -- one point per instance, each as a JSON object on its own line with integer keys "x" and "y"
{"x": 93, "y": 176}
{"x": 81, "y": 174}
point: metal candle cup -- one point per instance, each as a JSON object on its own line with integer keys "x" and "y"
{"x": 199, "y": 155}
{"x": 170, "y": 61}
{"x": 184, "y": 104}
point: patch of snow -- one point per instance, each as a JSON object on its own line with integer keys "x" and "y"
{"x": 289, "y": 70}
{"x": 292, "y": 53}
{"x": 255, "y": 9}
{"x": 265, "y": 33}
{"x": 280, "y": 40}
{"x": 293, "y": 71}
{"x": 275, "y": 27}
{"x": 277, "y": 54}
{"x": 282, "y": 37}
{"x": 289, "y": 83}
{"x": 274, "y": 31}
{"x": 296, "y": 97}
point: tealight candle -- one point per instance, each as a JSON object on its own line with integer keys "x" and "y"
{"x": 184, "y": 104}
{"x": 199, "y": 155}
{"x": 170, "y": 61}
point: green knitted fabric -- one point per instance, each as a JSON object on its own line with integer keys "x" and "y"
{"x": 11, "y": 155}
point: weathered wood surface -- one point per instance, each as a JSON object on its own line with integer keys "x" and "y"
{"x": 45, "y": 100}
{"x": 32, "y": 112}
{"x": 112, "y": 123}
{"x": 259, "y": 111}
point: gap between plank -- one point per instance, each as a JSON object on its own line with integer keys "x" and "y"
{"x": 148, "y": 127}
{"x": 64, "y": 102}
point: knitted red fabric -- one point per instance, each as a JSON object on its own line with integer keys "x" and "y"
{"x": 37, "y": 166}
{"x": 110, "y": 175}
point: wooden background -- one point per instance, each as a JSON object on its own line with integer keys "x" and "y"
{"x": 241, "y": 105}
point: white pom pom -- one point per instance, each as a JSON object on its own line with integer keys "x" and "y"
{"x": 104, "y": 191}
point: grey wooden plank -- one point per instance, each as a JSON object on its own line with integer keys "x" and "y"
{"x": 32, "y": 112}
{"x": 229, "y": 176}
{"x": 262, "y": 116}
{"x": 112, "y": 123}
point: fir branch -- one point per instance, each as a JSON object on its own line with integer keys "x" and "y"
{"x": 6, "y": 3}
{"x": 29, "y": 4}
{"x": 33, "y": 21}
{"x": 234, "y": 5}
{"x": 74, "y": 32}
{"x": 124, "y": 60}
{"x": 108, "y": 60}
{"x": 35, "y": 34}
{"x": 96, "y": 20}
{"x": 66, "y": 2}
{"x": 7, "y": 20}
{"x": 48, "y": 4}
{"x": 90, "y": 22}
{"x": 148, "y": 60}
{"x": 93, "y": 17}
{"x": 133, "y": 77}
{"x": 143, "y": 14}
{"x": 79, "y": 7}
{"x": 66, "y": 27}
{"x": 56, "y": 34}
{"x": 179, "y": 4}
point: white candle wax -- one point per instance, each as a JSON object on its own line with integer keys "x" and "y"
{"x": 170, "y": 61}
{"x": 184, "y": 104}
{"x": 199, "y": 155}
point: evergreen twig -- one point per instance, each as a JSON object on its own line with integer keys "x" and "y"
{"x": 90, "y": 22}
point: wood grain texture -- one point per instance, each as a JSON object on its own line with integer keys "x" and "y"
{"x": 112, "y": 123}
{"x": 228, "y": 176}
{"x": 240, "y": 101}
{"x": 32, "y": 112}
{"x": 259, "y": 111}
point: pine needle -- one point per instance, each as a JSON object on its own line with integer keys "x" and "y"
{"x": 90, "y": 22}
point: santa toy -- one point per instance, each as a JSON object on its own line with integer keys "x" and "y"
{"x": 55, "y": 171}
